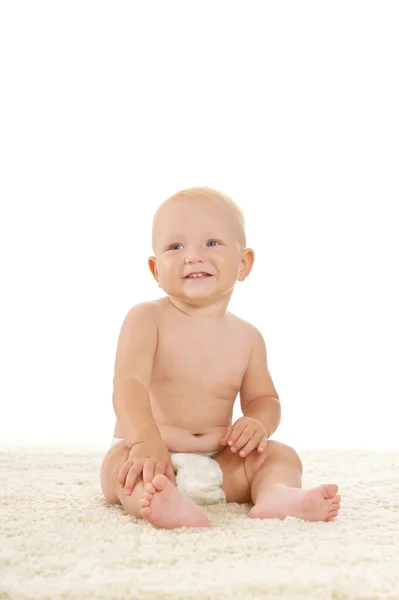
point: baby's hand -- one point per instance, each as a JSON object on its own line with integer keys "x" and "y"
{"x": 247, "y": 434}
{"x": 146, "y": 459}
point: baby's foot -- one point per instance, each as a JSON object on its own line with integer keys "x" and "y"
{"x": 164, "y": 506}
{"x": 317, "y": 504}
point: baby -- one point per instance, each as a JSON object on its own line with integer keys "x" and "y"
{"x": 180, "y": 363}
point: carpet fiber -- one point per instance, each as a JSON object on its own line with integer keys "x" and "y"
{"x": 59, "y": 539}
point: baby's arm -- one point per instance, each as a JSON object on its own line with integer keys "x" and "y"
{"x": 148, "y": 454}
{"x": 132, "y": 375}
{"x": 258, "y": 396}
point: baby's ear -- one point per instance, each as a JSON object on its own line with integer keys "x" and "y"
{"x": 247, "y": 262}
{"x": 152, "y": 263}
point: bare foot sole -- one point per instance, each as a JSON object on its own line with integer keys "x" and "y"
{"x": 164, "y": 506}
{"x": 316, "y": 504}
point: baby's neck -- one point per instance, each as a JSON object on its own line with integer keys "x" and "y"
{"x": 216, "y": 311}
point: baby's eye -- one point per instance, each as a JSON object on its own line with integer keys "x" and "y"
{"x": 175, "y": 246}
{"x": 213, "y": 242}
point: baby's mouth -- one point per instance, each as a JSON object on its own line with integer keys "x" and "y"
{"x": 201, "y": 275}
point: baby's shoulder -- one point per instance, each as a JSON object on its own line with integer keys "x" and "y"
{"x": 244, "y": 326}
{"x": 156, "y": 310}
{"x": 142, "y": 311}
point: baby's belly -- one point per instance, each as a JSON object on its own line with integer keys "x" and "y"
{"x": 178, "y": 439}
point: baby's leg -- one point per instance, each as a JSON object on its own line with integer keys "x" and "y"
{"x": 159, "y": 502}
{"x": 277, "y": 492}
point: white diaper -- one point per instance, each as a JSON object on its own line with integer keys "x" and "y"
{"x": 198, "y": 476}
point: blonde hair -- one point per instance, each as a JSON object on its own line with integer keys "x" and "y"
{"x": 208, "y": 194}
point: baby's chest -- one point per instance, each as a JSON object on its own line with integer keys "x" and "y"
{"x": 205, "y": 360}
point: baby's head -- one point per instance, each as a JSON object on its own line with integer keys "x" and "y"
{"x": 199, "y": 230}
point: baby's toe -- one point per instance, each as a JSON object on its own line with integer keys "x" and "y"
{"x": 331, "y": 517}
{"x": 149, "y": 488}
{"x": 159, "y": 482}
{"x": 330, "y": 490}
{"x": 145, "y": 512}
{"x": 144, "y": 502}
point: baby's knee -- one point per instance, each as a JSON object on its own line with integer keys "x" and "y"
{"x": 110, "y": 468}
{"x": 283, "y": 450}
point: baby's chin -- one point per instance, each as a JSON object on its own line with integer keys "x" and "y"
{"x": 200, "y": 285}
{"x": 200, "y": 293}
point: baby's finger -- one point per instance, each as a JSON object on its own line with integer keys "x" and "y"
{"x": 148, "y": 471}
{"x": 262, "y": 444}
{"x": 242, "y": 438}
{"x": 248, "y": 447}
{"x": 134, "y": 472}
{"x": 225, "y": 437}
{"x": 124, "y": 471}
{"x": 234, "y": 435}
{"x": 170, "y": 473}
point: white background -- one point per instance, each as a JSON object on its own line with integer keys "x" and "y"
{"x": 291, "y": 108}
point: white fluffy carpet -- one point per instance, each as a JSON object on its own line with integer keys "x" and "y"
{"x": 59, "y": 540}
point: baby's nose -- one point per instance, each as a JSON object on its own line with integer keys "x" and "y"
{"x": 193, "y": 259}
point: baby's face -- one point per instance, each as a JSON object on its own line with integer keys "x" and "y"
{"x": 196, "y": 237}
